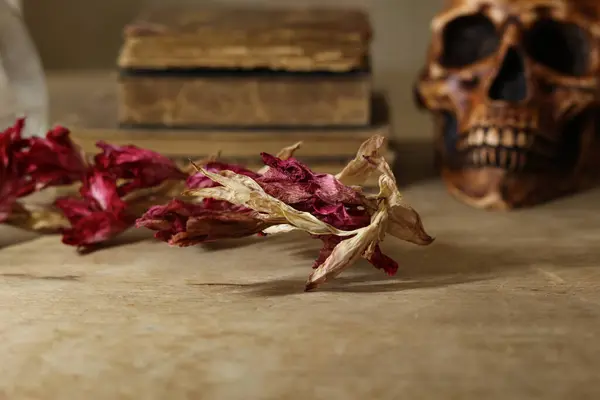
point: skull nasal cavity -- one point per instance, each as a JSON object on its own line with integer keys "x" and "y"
{"x": 511, "y": 83}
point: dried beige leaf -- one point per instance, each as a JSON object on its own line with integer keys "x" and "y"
{"x": 348, "y": 251}
{"x": 404, "y": 222}
{"x": 288, "y": 152}
{"x": 279, "y": 229}
{"x": 358, "y": 170}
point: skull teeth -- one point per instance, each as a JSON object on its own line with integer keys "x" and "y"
{"x": 522, "y": 140}
{"x": 507, "y": 147}
{"x": 508, "y": 138}
{"x": 498, "y": 157}
{"x": 494, "y": 137}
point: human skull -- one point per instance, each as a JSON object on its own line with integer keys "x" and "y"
{"x": 513, "y": 86}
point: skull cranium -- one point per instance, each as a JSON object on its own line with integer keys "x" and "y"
{"x": 513, "y": 86}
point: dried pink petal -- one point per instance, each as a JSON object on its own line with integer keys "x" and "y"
{"x": 13, "y": 181}
{"x": 293, "y": 182}
{"x": 93, "y": 228}
{"x": 284, "y": 154}
{"x": 182, "y": 224}
{"x": 100, "y": 189}
{"x": 98, "y": 215}
{"x": 341, "y": 216}
{"x": 53, "y": 160}
{"x": 383, "y": 262}
{"x": 140, "y": 168}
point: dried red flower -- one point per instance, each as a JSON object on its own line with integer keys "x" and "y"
{"x": 29, "y": 165}
{"x": 350, "y": 222}
{"x": 183, "y": 224}
{"x": 115, "y": 192}
{"x": 13, "y": 182}
{"x": 53, "y": 160}
{"x": 98, "y": 215}
{"x": 230, "y": 200}
{"x": 140, "y": 168}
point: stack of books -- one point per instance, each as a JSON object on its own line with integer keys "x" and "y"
{"x": 195, "y": 81}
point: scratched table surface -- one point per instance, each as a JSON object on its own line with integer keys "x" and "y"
{"x": 500, "y": 306}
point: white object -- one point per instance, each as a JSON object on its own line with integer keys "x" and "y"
{"x": 23, "y": 90}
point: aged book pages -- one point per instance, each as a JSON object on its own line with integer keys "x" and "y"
{"x": 299, "y": 39}
{"x": 245, "y": 100}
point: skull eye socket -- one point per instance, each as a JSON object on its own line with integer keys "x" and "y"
{"x": 468, "y": 39}
{"x": 561, "y": 46}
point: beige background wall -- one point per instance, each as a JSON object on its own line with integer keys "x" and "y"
{"x": 87, "y": 34}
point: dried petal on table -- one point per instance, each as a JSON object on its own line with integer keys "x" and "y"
{"x": 29, "y": 165}
{"x": 294, "y": 182}
{"x": 99, "y": 215}
{"x": 284, "y": 154}
{"x": 13, "y": 181}
{"x": 140, "y": 168}
{"x": 54, "y": 160}
{"x": 183, "y": 224}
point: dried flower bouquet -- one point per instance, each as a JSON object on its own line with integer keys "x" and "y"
{"x": 125, "y": 186}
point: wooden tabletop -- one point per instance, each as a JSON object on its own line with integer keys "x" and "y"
{"x": 500, "y": 306}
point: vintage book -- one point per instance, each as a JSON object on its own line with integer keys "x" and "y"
{"x": 193, "y": 66}
{"x": 290, "y": 39}
{"x": 226, "y": 99}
